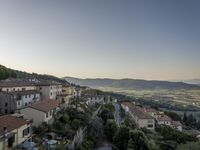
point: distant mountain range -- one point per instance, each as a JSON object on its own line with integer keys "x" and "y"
{"x": 134, "y": 84}
{"x": 192, "y": 81}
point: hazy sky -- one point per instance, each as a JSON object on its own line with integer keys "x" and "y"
{"x": 149, "y": 39}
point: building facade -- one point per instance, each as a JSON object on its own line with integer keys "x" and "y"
{"x": 49, "y": 90}
{"x": 142, "y": 119}
{"x": 13, "y": 101}
{"x": 92, "y": 100}
{"x": 42, "y": 111}
{"x": 16, "y": 85}
{"x": 13, "y": 131}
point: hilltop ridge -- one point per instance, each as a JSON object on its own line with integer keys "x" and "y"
{"x": 6, "y": 73}
{"x": 126, "y": 83}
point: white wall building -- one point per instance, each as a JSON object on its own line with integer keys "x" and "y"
{"x": 165, "y": 120}
{"x": 11, "y": 86}
{"x": 100, "y": 99}
{"x": 95, "y": 100}
{"x": 141, "y": 118}
{"x": 12, "y": 101}
{"x": 177, "y": 125}
{"x": 49, "y": 90}
{"x": 41, "y": 112}
{"x": 69, "y": 90}
{"x": 27, "y": 98}
{"x": 14, "y": 131}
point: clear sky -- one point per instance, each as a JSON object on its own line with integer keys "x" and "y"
{"x": 148, "y": 39}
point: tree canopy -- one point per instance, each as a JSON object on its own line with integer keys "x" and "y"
{"x": 121, "y": 138}
{"x": 6, "y": 73}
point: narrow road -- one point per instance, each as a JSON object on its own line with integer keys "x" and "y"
{"x": 117, "y": 114}
{"x": 105, "y": 146}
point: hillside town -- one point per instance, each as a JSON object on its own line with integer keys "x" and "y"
{"x": 28, "y": 103}
{"x": 44, "y": 114}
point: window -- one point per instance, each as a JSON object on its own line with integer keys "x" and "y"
{"x": 6, "y": 104}
{"x": 26, "y": 104}
{"x": 11, "y": 140}
{"x": 6, "y": 111}
{"x": 51, "y": 93}
{"x": 46, "y": 115}
{"x": 29, "y": 96}
{"x": 150, "y": 125}
{"x": 26, "y": 131}
{"x": 25, "y": 96}
{"x": 13, "y": 89}
{"x": 7, "y": 90}
{"x": 19, "y": 103}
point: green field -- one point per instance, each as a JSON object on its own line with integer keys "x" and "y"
{"x": 183, "y": 97}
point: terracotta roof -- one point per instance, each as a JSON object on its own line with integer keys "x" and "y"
{"x": 16, "y": 83}
{"x": 137, "y": 111}
{"x": 45, "y": 105}
{"x": 11, "y": 123}
{"x": 164, "y": 118}
{"x": 48, "y": 83}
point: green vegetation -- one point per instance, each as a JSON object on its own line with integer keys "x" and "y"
{"x": 137, "y": 141}
{"x": 128, "y": 122}
{"x": 100, "y": 127}
{"x": 107, "y": 112}
{"x": 191, "y": 121}
{"x": 170, "y": 134}
{"x": 95, "y": 131}
{"x": 6, "y": 73}
{"x": 21, "y": 74}
{"x": 10, "y": 73}
{"x": 87, "y": 144}
{"x": 110, "y": 129}
{"x": 168, "y": 104}
{"x": 189, "y": 146}
{"x": 121, "y": 138}
{"x": 174, "y": 116}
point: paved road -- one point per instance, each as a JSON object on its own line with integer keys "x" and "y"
{"x": 104, "y": 147}
{"x": 107, "y": 146}
{"x": 117, "y": 114}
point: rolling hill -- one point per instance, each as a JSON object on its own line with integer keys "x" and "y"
{"x": 134, "y": 84}
{"x": 11, "y": 73}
